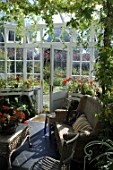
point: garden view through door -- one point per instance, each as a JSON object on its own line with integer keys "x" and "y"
{"x": 58, "y": 72}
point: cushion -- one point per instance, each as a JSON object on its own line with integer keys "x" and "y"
{"x": 81, "y": 124}
{"x": 63, "y": 129}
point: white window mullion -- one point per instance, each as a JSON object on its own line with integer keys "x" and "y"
{"x": 24, "y": 63}
{"x": 33, "y": 64}
{"x": 81, "y": 50}
{"x": 69, "y": 61}
{"x": 15, "y": 73}
{"x": 91, "y": 62}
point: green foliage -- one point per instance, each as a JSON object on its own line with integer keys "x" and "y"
{"x": 2, "y": 82}
{"x": 58, "y": 81}
{"x": 46, "y": 72}
{"x": 18, "y": 11}
{"x": 46, "y": 87}
{"x": 84, "y": 15}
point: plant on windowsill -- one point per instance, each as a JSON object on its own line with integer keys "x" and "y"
{"x": 19, "y": 83}
{"x": 83, "y": 86}
{"x": 27, "y": 83}
{"x": 11, "y": 113}
{"x": 13, "y": 82}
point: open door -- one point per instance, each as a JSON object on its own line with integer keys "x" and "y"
{"x": 58, "y": 92}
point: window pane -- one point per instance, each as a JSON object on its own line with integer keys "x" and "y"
{"x": 36, "y": 80}
{"x": 85, "y": 68}
{"x": 11, "y": 53}
{"x": 60, "y": 64}
{"x": 36, "y": 67}
{"x": 11, "y": 36}
{"x": 76, "y": 68}
{"x": 1, "y": 37}
{"x": 76, "y": 55}
{"x": 19, "y": 66}
{"x": 86, "y": 55}
{"x": 2, "y": 56}
{"x": 29, "y": 54}
{"x": 29, "y": 67}
{"x": 36, "y": 54}
{"x": 19, "y": 54}
{"x": 2, "y": 66}
{"x": 10, "y": 66}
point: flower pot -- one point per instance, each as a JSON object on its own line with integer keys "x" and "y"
{"x": 16, "y": 85}
{"x": 8, "y": 130}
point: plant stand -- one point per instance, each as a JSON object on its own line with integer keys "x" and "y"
{"x": 10, "y": 143}
{"x": 31, "y": 94}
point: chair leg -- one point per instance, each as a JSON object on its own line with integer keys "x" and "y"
{"x": 65, "y": 167}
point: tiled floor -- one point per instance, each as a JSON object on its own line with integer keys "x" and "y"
{"x": 24, "y": 157}
{"x": 42, "y": 145}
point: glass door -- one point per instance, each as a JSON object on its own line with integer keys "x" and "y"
{"x": 58, "y": 70}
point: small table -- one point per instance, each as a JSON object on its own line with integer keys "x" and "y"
{"x": 50, "y": 119}
{"x": 10, "y": 143}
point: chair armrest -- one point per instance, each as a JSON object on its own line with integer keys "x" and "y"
{"x": 71, "y": 142}
{"x": 82, "y": 135}
{"x": 69, "y": 136}
{"x": 72, "y": 139}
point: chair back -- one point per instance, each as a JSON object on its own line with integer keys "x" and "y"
{"x": 90, "y": 106}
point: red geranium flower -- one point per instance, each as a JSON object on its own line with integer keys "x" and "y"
{"x": 91, "y": 81}
{"x": 25, "y": 122}
{"x": 70, "y": 78}
{"x": 12, "y": 118}
{"x": 18, "y": 78}
{"x": 79, "y": 80}
{"x": 65, "y": 82}
{"x": 81, "y": 84}
{"x": 6, "y": 107}
{"x": 10, "y": 114}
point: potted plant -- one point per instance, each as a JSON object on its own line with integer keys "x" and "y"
{"x": 83, "y": 86}
{"x": 10, "y": 115}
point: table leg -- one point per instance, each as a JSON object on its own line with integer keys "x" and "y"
{"x": 29, "y": 142}
{"x": 50, "y": 130}
{"x": 9, "y": 162}
{"x": 45, "y": 125}
{"x": 7, "y": 157}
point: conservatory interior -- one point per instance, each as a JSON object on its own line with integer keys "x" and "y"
{"x": 56, "y": 88}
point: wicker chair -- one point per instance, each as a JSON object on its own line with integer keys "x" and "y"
{"x": 49, "y": 163}
{"x": 89, "y": 106}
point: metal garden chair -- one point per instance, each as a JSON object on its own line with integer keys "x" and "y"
{"x": 49, "y": 163}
